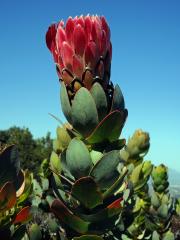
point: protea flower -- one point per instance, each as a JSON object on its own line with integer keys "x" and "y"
{"x": 82, "y": 51}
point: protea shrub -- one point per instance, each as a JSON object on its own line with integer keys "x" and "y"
{"x": 101, "y": 191}
{"x": 89, "y": 176}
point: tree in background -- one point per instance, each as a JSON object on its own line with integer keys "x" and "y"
{"x": 31, "y": 151}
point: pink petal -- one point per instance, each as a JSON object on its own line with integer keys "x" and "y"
{"x": 91, "y": 54}
{"x": 98, "y": 20}
{"x": 93, "y": 33}
{"x": 98, "y": 30}
{"x": 69, "y": 29}
{"x": 50, "y": 36}
{"x": 88, "y": 26}
{"x": 67, "y": 55}
{"x": 77, "y": 66}
{"x": 105, "y": 27}
{"x": 61, "y": 23}
{"x": 55, "y": 53}
{"x": 80, "y": 21}
{"x": 60, "y": 37}
{"x": 103, "y": 48}
{"x": 60, "y": 63}
{"x": 96, "y": 34}
{"x": 79, "y": 40}
{"x": 75, "y": 19}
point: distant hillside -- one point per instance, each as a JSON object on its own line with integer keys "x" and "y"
{"x": 174, "y": 177}
{"x": 174, "y": 180}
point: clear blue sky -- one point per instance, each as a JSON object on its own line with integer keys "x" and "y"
{"x": 146, "y": 64}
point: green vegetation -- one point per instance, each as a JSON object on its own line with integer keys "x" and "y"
{"x": 31, "y": 151}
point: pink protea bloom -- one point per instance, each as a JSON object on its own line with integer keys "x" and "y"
{"x": 82, "y": 51}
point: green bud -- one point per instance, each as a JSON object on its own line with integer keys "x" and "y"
{"x": 139, "y": 143}
{"x": 160, "y": 178}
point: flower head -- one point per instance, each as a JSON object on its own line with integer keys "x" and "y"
{"x": 82, "y": 51}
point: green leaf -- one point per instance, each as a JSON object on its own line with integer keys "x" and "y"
{"x": 63, "y": 137}
{"x": 168, "y": 236}
{"x": 27, "y": 188}
{"x": 78, "y": 159}
{"x": 88, "y": 237}
{"x": 87, "y": 192}
{"x": 109, "y": 129}
{"x": 155, "y": 200}
{"x": 67, "y": 217}
{"x": 106, "y": 169}
{"x": 9, "y": 165}
{"x": 65, "y": 167}
{"x": 140, "y": 175}
{"x": 126, "y": 194}
{"x": 96, "y": 217}
{"x": 19, "y": 233}
{"x": 55, "y": 163}
{"x": 95, "y": 156}
{"x": 53, "y": 225}
{"x": 57, "y": 146}
{"x": 155, "y": 236}
{"x": 165, "y": 199}
{"x": 37, "y": 193}
{"x": 84, "y": 112}
{"x": 136, "y": 173}
{"x": 45, "y": 184}
{"x": 66, "y": 107}
{"x": 20, "y": 183}
{"x": 118, "y": 99}
{"x": 116, "y": 185}
{"x": 35, "y": 232}
{"x": 124, "y": 237}
{"x": 7, "y": 196}
{"x": 100, "y": 99}
{"x": 163, "y": 211}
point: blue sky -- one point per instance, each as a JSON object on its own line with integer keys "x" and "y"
{"x": 146, "y": 64}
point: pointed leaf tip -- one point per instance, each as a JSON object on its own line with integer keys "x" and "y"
{"x": 87, "y": 192}
{"x": 66, "y": 216}
{"x": 23, "y": 215}
{"x": 66, "y": 107}
{"x": 109, "y": 129}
